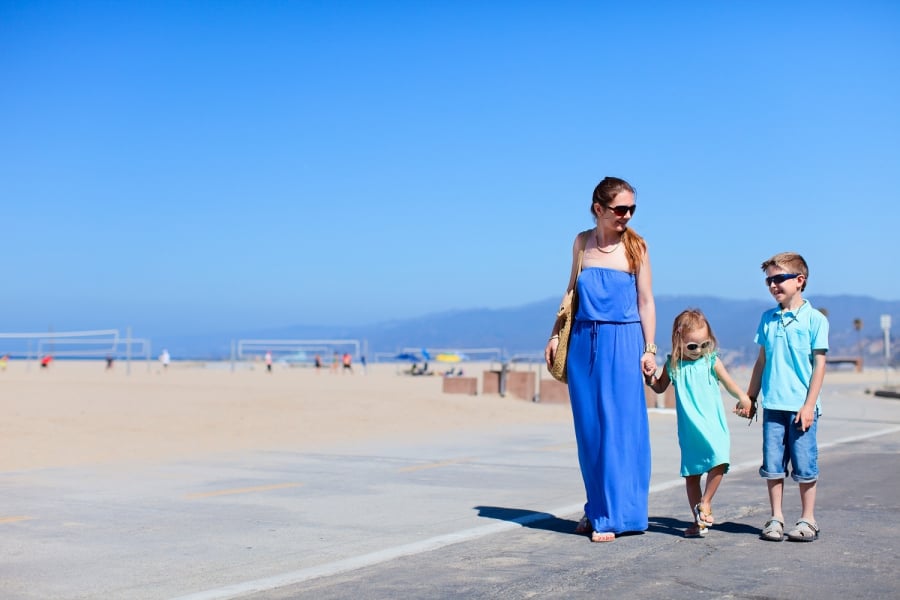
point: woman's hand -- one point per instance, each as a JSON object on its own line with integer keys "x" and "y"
{"x": 648, "y": 363}
{"x": 550, "y": 350}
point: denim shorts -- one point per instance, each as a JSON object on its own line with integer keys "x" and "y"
{"x": 785, "y": 442}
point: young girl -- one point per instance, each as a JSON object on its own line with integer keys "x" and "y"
{"x": 695, "y": 371}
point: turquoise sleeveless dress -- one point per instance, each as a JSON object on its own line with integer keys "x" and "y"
{"x": 606, "y": 388}
{"x": 702, "y": 429}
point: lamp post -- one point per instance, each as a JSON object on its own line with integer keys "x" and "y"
{"x": 886, "y": 327}
{"x": 858, "y": 325}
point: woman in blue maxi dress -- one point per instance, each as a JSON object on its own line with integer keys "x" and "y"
{"x": 610, "y": 350}
{"x": 606, "y": 388}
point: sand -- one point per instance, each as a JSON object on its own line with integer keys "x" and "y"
{"x": 76, "y": 413}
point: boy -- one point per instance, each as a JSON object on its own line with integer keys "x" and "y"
{"x": 789, "y": 370}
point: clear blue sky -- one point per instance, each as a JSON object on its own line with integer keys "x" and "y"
{"x": 221, "y": 166}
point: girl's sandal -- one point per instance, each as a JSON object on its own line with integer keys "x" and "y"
{"x": 603, "y": 536}
{"x": 703, "y": 518}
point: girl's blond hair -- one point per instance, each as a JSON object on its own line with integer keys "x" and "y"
{"x": 689, "y": 320}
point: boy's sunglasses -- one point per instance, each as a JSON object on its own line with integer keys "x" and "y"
{"x": 694, "y": 346}
{"x": 781, "y": 278}
{"x": 622, "y": 209}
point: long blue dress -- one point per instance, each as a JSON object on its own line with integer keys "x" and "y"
{"x": 606, "y": 388}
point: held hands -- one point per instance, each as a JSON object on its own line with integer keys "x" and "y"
{"x": 648, "y": 364}
{"x": 745, "y": 407}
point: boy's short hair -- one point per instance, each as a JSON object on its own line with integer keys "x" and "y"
{"x": 790, "y": 262}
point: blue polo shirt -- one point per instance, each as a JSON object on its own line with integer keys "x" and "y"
{"x": 789, "y": 339}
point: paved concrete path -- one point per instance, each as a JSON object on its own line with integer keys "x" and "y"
{"x": 486, "y": 515}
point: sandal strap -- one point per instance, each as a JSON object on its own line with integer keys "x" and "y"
{"x": 812, "y": 525}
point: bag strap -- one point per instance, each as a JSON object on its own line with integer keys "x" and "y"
{"x": 584, "y": 239}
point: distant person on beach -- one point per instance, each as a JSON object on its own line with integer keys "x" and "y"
{"x": 109, "y": 363}
{"x": 335, "y": 362}
{"x": 318, "y": 363}
{"x": 611, "y": 348}
{"x": 4, "y": 360}
{"x": 362, "y": 361}
{"x": 695, "y": 370}
{"x": 789, "y": 372}
{"x": 46, "y": 360}
{"x": 164, "y": 359}
{"x": 347, "y": 361}
{"x": 269, "y": 361}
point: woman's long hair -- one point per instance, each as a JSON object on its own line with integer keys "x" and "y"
{"x": 635, "y": 246}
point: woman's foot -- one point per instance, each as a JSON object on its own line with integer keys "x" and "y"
{"x": 584, "y": 526}
{"x": 603, "y": 536}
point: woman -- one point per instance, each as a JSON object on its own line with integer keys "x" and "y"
{"x": 610, "y": 350}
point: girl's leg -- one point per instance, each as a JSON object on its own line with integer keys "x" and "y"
{"x": 692, "y": 487}
{"x": 713, "y": 480}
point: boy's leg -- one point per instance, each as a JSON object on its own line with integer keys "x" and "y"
{"x": 776, "y": 425}
{"x": 805, "y": 460}
{"x": 808, "y": 501}
{"x": 776, "y": 493}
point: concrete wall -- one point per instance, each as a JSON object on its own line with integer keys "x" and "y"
{"x": 460, "y": 385}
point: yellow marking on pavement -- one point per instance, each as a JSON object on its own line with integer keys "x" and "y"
{"x": 246, "y": 490}
{"x": 434, "y": 465}
{"x": 14, "y": 519}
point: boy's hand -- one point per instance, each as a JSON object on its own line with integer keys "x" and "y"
{"x": 806, "y": 416}
{"x": 744, "y": 407}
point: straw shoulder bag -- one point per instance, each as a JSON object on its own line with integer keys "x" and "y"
{"x": 565, "y": 316}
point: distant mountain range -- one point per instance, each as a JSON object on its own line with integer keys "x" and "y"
{"x": 524, "y": 329}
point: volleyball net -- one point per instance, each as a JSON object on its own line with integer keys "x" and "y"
{"x": 297, "y": 351}
{"x": 96, "y": 343}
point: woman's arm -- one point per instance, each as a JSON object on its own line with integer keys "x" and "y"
{"x": 647, "y": 310}
{"x": 553, "y": 342}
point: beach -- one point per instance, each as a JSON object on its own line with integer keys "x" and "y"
{"x": 78, "y": 413}
{"x": 198, "y": 482}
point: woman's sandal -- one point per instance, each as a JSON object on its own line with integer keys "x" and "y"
{"x": 584, "y": 526}
{"x": 804, "y": 531}
{"x": 603, "y": 536}
{"x": 773, "y": 531}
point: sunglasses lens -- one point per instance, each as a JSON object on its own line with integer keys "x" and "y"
{"x": 623, "y": 210}
{"x": 778, "y": 279}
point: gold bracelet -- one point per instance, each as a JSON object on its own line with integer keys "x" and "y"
{"x": 651, "y": 348}
{"x": 553, "y": 337}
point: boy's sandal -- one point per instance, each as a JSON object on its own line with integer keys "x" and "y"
{"x": 584, "y": 526}
{"x": 804, "y": 531}
{"x": 773, "y": 531}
